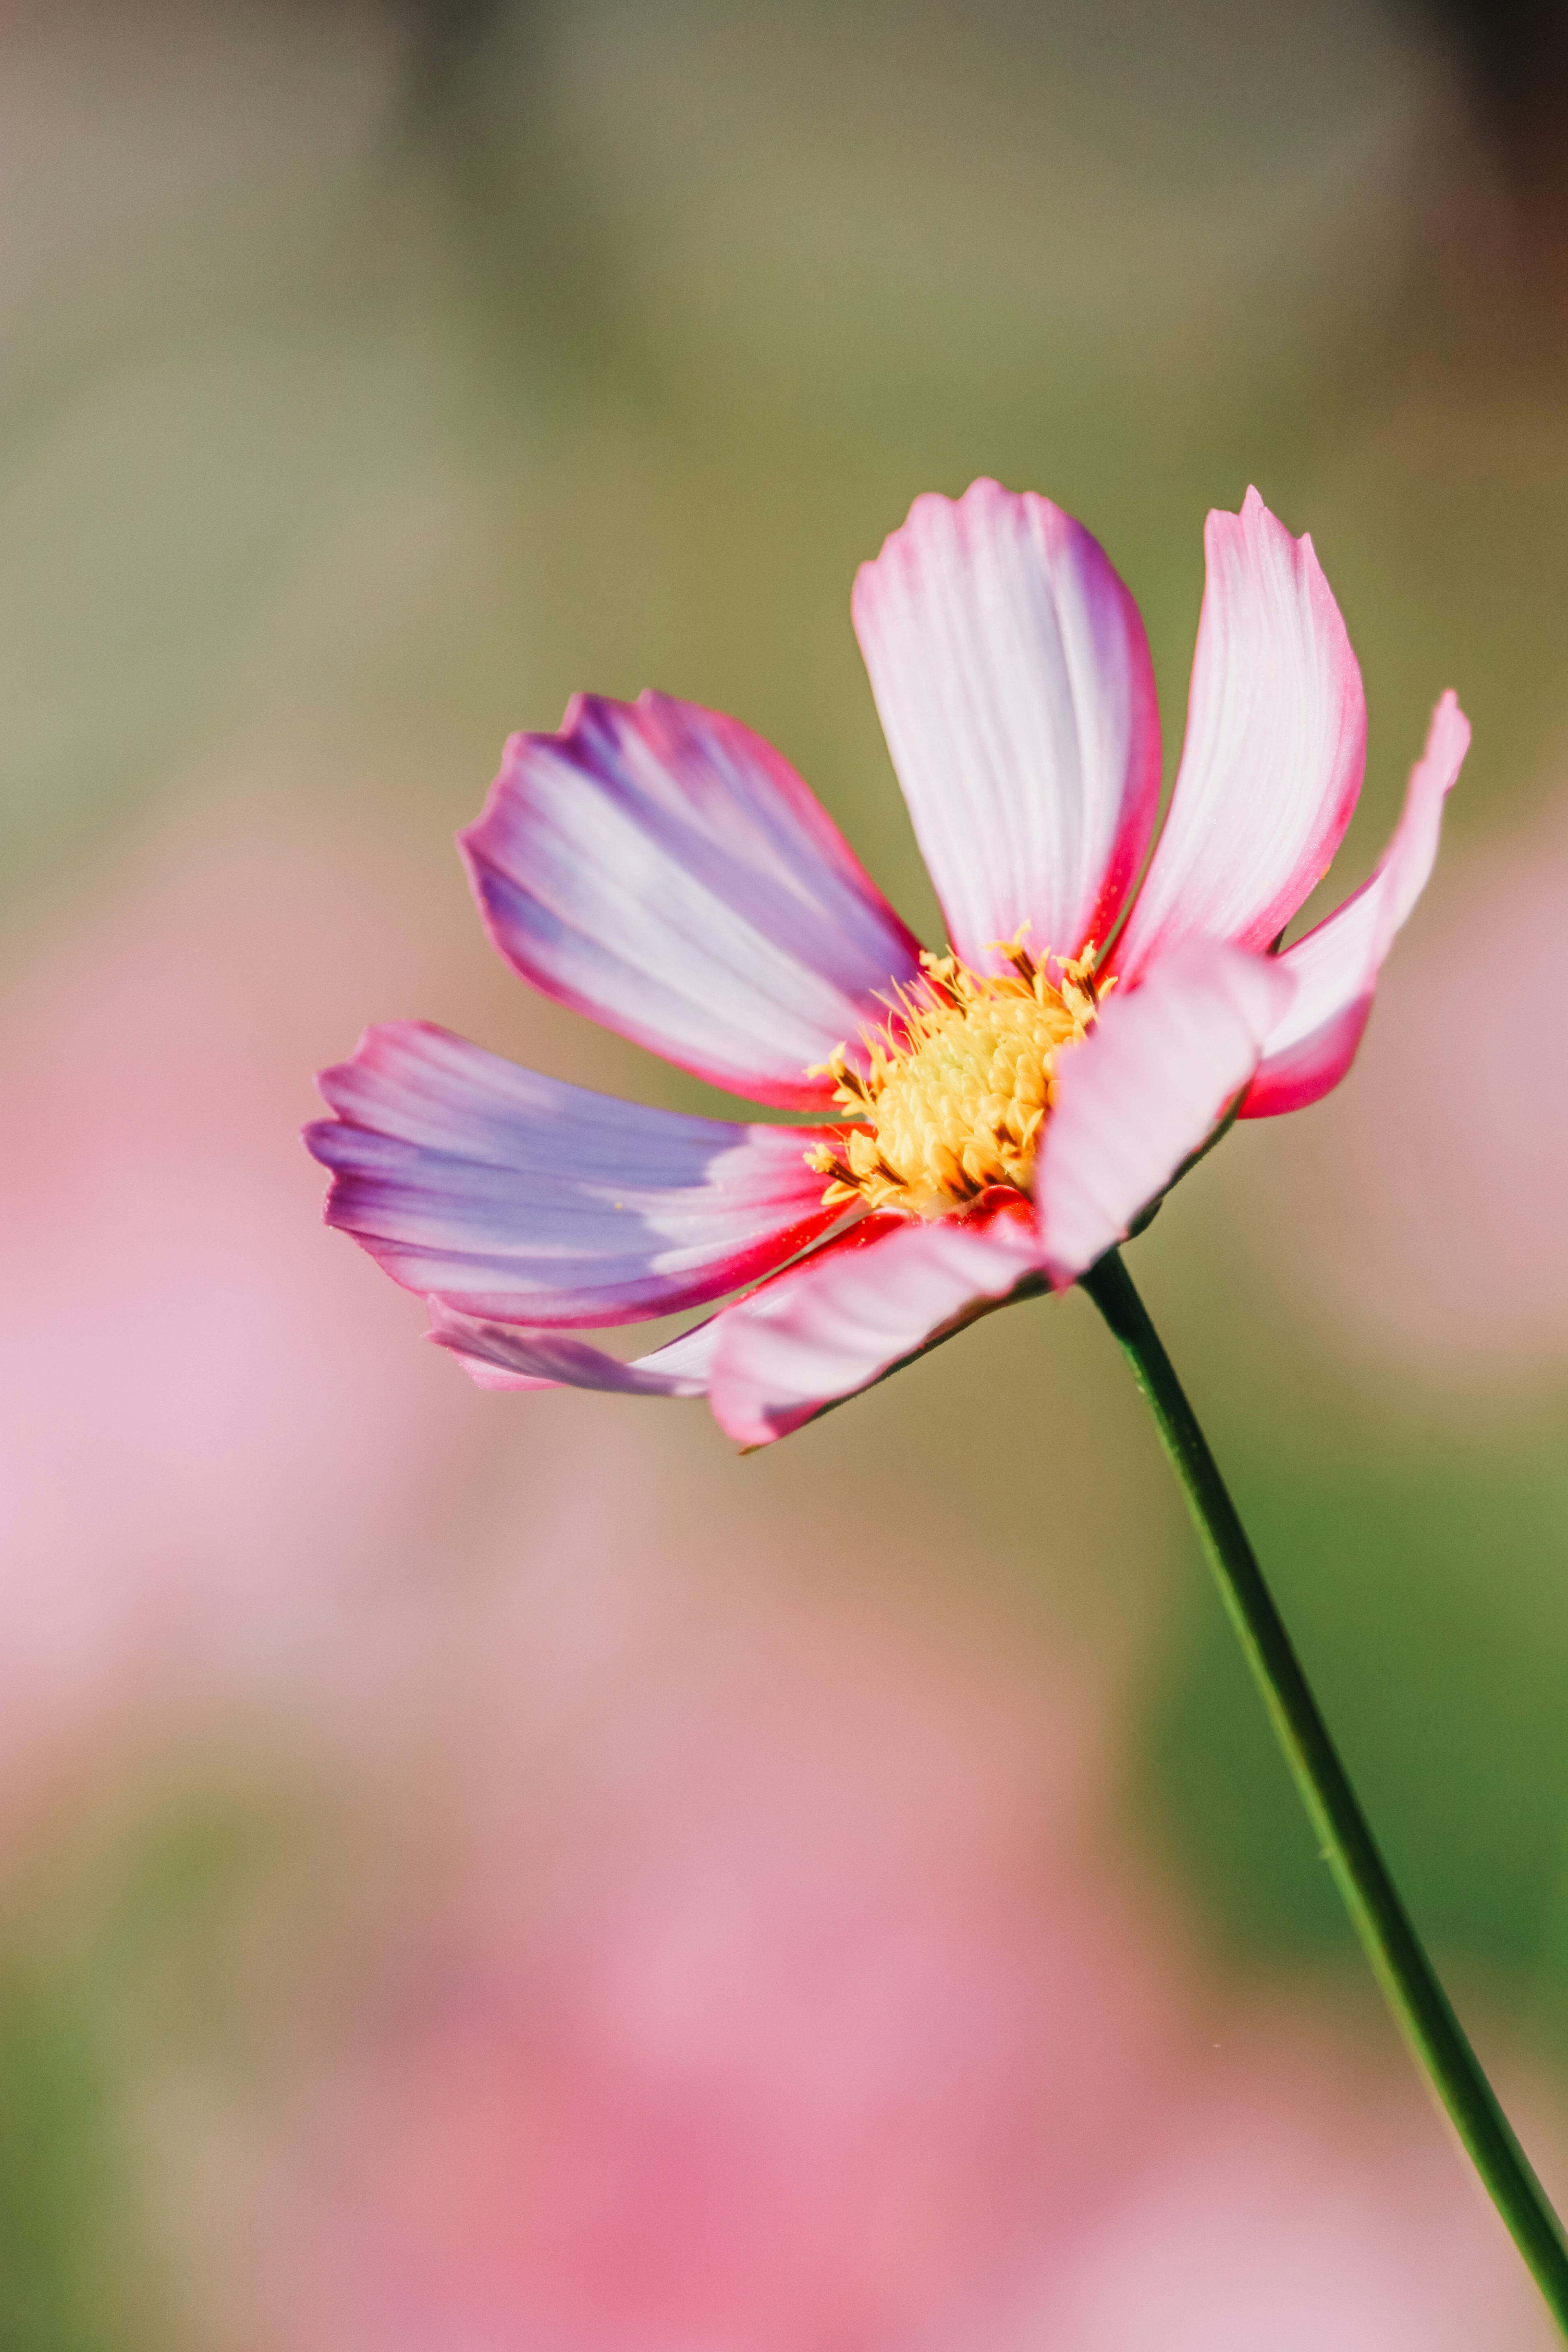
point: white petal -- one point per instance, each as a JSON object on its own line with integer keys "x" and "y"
{"x": 1275, "y": 746}
{"x": 1012, "y": 678}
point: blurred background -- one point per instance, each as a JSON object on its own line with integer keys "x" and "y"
{"x": 484, "y": 1871}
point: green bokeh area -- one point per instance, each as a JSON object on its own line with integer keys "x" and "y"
{"x": 1426, "y": 1597}
{"x": 65, "y": 2231}
{"x": 170, "y": 1954}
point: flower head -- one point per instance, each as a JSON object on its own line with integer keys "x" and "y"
{"x": 990, "y": 1119}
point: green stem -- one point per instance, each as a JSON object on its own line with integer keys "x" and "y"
{"x": 1436, "y": 2039}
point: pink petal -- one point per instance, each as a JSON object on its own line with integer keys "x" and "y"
{"x": 1012, "y": 674}
{"x": 664, "y": 870}
{"x": 1335, "y": 967}
{"x": 498, "y": 1356}
{"x": 520, "y": 1197}
{"x": 1275, "y": 746}
{"x": 855, "y": 1310}
{"x": 1144, "y": 1091}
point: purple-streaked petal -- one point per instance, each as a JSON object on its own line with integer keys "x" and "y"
{"x": 664, "y": 870}
{"x": 832, "y": 1325}
{"x": 499, "y": 1356}
{"x": 519, "y": 1198}
{"x": 1012, "y": 678}
{"x": 1335, "y": 967}
{"x": 1275, "y": 746}
{"x": 1144, "y": 1091}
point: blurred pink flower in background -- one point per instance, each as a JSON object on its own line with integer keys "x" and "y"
{"x": 833, "y": 2019}
{"x": 208, "y": 1437}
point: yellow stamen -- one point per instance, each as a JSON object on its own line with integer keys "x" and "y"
{"x": 956, "y": 1088}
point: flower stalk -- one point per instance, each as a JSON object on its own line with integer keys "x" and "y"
{"x": 1410, "y": 1984}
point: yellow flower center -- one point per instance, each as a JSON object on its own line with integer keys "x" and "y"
{"x": 957, "y": 1086}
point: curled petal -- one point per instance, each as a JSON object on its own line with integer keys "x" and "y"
{"x": 519, "y": 1197}
{"x": 1012, "y": 678}
{"x": 498, "y": 1356}
{"x": 1335, "y": 967}
{"x": 856, "y": 1310}
{"x": 1276, "y": 743}
{"x": 1144, "y": 1091}
{"x": 664, "y": 870}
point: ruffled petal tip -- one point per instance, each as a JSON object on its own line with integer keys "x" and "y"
{"x": 1276, "y": 743}
{"x": 524, "y": 1199}
{"x": 1335, "y": 967}
{"x": 499, "y": 1356}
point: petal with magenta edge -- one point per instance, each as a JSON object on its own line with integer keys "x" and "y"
{"x": 845, "y": 1316}
{"x": 1012, "y": 678}
{"x": 1335, "y": 967}
{"x": 662, "y": 869}
{"x": 1276, "y": 743}
{"x": 521, "y": 1198}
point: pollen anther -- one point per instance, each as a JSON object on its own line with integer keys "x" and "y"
{"x": 954, "y": 1089}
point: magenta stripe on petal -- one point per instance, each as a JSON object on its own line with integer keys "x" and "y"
{"x": 855, "y": 1309}
{"x": 1275, "y": 746}
{"x": 1012, "y": 678}
{"x": 1144, "y": 1091}
{"x": 664, "y": 870}
{"x": 498, "y": 1356}
{"x": 524, "y": 1199}
{"x": 1335, "y": 967}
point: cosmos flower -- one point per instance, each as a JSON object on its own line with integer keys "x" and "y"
{"x": 989, "y": 1120}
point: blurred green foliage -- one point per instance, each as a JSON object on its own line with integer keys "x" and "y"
{"x": 61, "y": 2176}
{"x": 164, "y": 1955}
{"x": 1418, "y": 1590}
